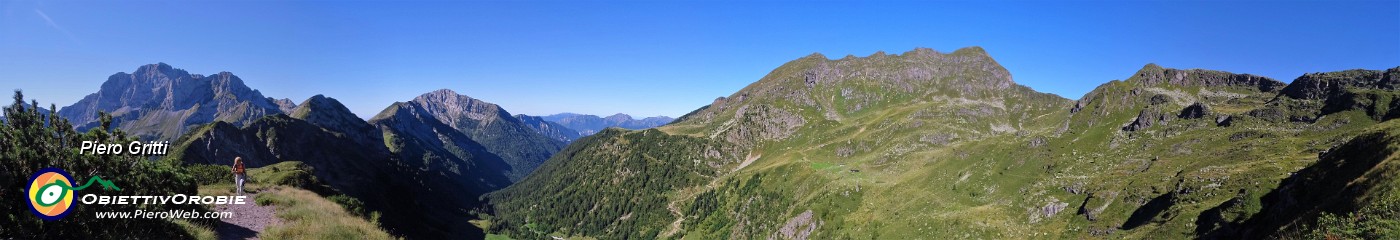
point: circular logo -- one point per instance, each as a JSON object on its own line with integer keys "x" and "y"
{"x": 51, "y": 193}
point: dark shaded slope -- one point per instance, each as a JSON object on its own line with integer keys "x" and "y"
{"x": 350, "y": 155}
{"x": 550, "y": 129}
{"x": 1345, "y": 179}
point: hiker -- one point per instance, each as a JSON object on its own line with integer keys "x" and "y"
{"x": 240, "y": 175}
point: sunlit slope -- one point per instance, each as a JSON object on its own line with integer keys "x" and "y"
{"x": 925, "y": 144}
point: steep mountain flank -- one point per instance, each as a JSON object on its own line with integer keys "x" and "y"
{"x": 416, "y": 137}
{"x": 1353, "y": 183}
{"x": 351, "y": 156}
{"x": 520, "y": 146}
{"x": 813, "y": 129}
{"x": 549, "y": 129}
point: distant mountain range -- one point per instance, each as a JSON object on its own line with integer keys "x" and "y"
{"x": 590, "y": 124}
{"x": 42, "y": 111}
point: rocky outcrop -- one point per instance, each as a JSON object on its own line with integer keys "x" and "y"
{"x": 1330, "y": 84}
{"x": 1372, "y": 91}
{"x": 1196, "y": 110}
{"x": 1146, "y": 118}
{"x": 798, "y": 227}
{"x": 1151, "y": 74}
{"x": 1224, "y": 120}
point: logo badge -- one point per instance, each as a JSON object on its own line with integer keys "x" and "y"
{"x": 51, "y": 193}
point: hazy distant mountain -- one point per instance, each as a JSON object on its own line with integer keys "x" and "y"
{"x": 42, "y": 111}
{"x": 590, "y": 124}
{"x": 158, "y": 101}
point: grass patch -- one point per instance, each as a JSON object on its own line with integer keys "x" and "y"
{"x": 195, "y": 230}
{"x": 307, "y": 215}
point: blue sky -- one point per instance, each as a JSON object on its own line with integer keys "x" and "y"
{"x": 657, "y": 58}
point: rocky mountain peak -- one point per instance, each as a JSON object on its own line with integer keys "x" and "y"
{"x": 157, "y": 94}
{"x": 448, "y": 106}
{"x": 328, "y": 113}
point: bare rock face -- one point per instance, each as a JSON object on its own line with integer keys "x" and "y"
{"x": 1223, "y": 120}
{"x": 1145, "y": 119}
{"x": 1196, "y": 110}
{"x": 1331, "y": 84}
{"x": 1052, "y": 207}
{"x": 1372, "y": 91}
{"x": 762, "y": 123}
{"x": 460, "y": 111}
{"x": 1153, "y": 75}
{"x": 798, "y": 227}
{"x": 158, "y": 101}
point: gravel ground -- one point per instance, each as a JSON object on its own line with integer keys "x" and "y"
{"x": 248, "y": 220}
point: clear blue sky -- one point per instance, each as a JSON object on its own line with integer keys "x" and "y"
{"x": 656, "y": 58}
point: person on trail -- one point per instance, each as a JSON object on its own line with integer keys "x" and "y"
{"x": 240, "y": 175}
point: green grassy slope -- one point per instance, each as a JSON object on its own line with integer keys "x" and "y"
{"x": 931, "y": 144}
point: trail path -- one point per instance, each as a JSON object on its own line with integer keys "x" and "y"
{"x": 248, "y": 220}
{"x": 674, "y": 206}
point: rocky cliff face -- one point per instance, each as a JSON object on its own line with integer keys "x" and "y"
{"x": 1329, "y": 84}
{"x": 158, "y": 101}
{"x": 1315, "y": 95}
{"x": 1152, "y": 75}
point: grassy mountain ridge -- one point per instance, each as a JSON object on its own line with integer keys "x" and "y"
{"x": 886, "y": 146}
{"x": 352, "y": 157}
